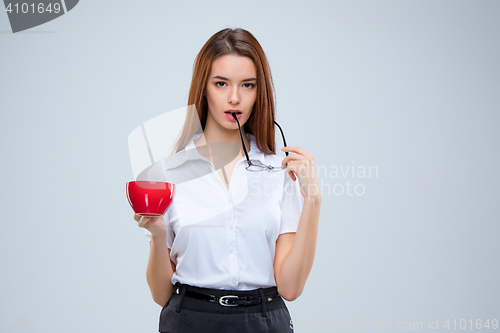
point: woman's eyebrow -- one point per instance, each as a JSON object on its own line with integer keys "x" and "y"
{"x": 224, "y": 78}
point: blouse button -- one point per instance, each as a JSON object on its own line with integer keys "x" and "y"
{"x": 234, "y": 281}
{"x": 233, "y": 255}
{"x": 231, "y": 228}
{"x": 229, "y": 201}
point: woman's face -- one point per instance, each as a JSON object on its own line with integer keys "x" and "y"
{"x": 231, "y": 86}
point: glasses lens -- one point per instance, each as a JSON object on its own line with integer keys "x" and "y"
{"x": 254, "y": 168}
{"x": 258, "y": 166}
{"x": 276, "y": 169}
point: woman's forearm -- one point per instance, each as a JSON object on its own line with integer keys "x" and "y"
{"x": 159, "y": 271}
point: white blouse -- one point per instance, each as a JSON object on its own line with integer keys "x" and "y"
{"x": 226, "y": 239}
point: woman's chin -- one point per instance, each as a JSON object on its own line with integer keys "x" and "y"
{"x": 231, "y": 125}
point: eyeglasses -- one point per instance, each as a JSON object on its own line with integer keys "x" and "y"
{"x": 255, "y": 165}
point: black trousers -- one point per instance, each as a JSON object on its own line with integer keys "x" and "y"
{"x": 191, "y": 315}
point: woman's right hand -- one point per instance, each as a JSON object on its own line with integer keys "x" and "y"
{"x": 155, "y": 225}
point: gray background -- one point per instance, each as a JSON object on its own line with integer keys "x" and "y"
{"x": 411, "y": 87}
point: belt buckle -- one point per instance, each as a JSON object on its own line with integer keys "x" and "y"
{"x": 223, "y": 300}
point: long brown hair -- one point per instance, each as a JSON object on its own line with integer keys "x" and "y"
{"x": 243, "y": 43}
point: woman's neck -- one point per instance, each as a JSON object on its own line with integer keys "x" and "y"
{"x": 216, "y": 133}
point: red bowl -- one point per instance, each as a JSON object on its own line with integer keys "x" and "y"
{"x": 150, "y": 198}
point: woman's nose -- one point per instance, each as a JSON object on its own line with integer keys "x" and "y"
{"x": 234, "y": 98}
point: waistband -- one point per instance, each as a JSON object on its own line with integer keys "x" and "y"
{"x": 270, "y": 299}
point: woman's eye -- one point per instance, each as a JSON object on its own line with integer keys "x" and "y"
{"x": 249, "y": 85}
{"x": 220, "y": 84}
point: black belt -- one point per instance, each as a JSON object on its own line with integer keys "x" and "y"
{"x": 231, "y": 300}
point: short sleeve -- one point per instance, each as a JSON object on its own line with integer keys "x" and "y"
{"x": 291, "y": 205}
{"x": 170, "y": 232}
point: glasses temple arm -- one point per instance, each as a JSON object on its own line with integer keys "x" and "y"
{"x": 241, "y": 135}
{"x": 282, "y": 135}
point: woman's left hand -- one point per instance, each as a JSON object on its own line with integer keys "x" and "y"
{"x": 300, "y": 164}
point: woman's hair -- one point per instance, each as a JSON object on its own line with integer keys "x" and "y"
{"x": 242, "y": 43}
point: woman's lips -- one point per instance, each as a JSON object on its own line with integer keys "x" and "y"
{"x": 230, "y": 116}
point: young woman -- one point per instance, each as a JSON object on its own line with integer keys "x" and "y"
{"x": 229, "y": 249}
